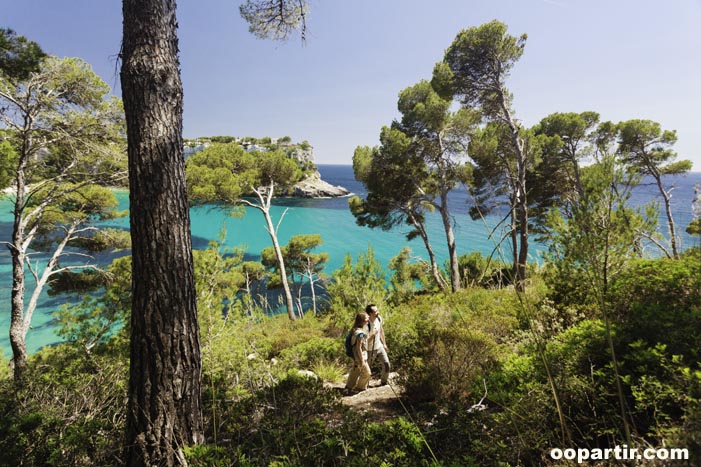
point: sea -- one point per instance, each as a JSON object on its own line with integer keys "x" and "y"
{"x": 329, "y": 217}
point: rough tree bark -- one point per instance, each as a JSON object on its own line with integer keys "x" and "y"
{"x": 164, "y": 409}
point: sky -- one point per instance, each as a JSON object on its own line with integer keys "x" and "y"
{"x": 621, "y": 58}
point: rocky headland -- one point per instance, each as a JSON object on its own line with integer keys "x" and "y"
{"x": 311, "y": 186}
{"x": 314, "y": 187}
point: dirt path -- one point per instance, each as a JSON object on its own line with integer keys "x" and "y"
{"x": 382, "y": 402}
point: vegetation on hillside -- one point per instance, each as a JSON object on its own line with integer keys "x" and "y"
{"x": 519, "y": 347}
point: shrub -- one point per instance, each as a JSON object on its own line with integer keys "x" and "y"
{"x": 315, "y": 350}
{"x": 476, "y": 270}
{"x": 659, "y": 301}
{"x": 4, "y": 367}
{"x": 70, "y": 410}
{"x": 329, "y": 371}
{"x": 356, "y": 285}
{"x": 281, "y": 423}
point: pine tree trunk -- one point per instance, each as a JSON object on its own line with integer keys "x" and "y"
{"x": 164, "y": 409}
{"x": 281, "y": 262}
{"x": 18, "y": 332}
{"x": 452, "y": 248}
{"x": 435, "y": 271}
{"x": 521, "y": 195}
{"x": 18, "y": 251}
{"x": 668, "y": 213}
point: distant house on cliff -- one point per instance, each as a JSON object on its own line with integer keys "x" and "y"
{"x": 193, "y": 147}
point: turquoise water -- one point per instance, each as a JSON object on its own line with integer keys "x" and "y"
{"x": 328, "y": 217}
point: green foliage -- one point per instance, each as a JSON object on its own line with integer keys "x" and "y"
{"x": 70, "y": 410}
{"x": 480, "y": 59}
{"x": 396, "y": 443}
{"x": 310, "y": 352}
{"x": 476, "y": 270}
{"x": 453, "y": 361}
{"x": 647, "y": 148}
{"x": 694, "y": 228}
{"x": 274, "y": 21}
{"x": 67, "y": 142}
{"x": 494, "y": 172}
{"x": 222, "y": 139}
{"x": 94, "y": 320}
{"x": 407, "y": 277}
{"x": 260, "y": 411}
{"x": 388, "y": 173}
{"x": 105, "y": 238}
{"x": 18, "y": 56}
{"x": 301, "y": 267}
{"x": 275, "y": 166}
{"x": 420, "y": 159}
{"x": 78, "y": 205}
{"x": 207, "y": 456}
{"x": 354, "y": 286}
{"x": 272, "y": 425}
{"x": 556, "y": 181}
{"x": 450, "y": 342}
{"x": 284, "y": 425}
{"x": 300, "y": 262}
{"x": 221, "y": 172}
{"x": 8, "y": 165}
{"x": 4, "y": 368}
{"x": 330, "y": 371}
{"x": 590, "y": 248}
{"x": 659, "y": 302}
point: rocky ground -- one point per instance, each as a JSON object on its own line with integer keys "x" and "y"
{"x": 382, "y": 402}
{"x": 314, "y": 187}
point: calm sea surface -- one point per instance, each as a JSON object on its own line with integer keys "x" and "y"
{"x": 328, "y": 217}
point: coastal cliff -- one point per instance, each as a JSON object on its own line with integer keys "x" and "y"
{"x": 314, "y": 187}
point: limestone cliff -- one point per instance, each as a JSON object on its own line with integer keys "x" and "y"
{"x": 314, "y": 187}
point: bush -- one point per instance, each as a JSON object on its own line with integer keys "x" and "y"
{"x": 448, "y": 343}
{"x": 356, "y": 285}
{"x": 69, "y": 411}
{"x": 281, "y": 423}
{"x": 452, "y": 360}
{"x": 4, "y": 367}
{"x": 478, "y": 271}
{"x": 313, "y": 351}
{"x": 659, "y": 301}
{"x": 329, "y": 371}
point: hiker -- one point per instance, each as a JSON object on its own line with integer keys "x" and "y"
{"x": 377, "y": 346}
{"x": 360, "y": 373}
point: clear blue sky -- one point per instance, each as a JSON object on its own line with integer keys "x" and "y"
{"x": 622, "y": 58}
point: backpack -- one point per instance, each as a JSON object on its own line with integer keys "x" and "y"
{"x": 349, "y": 344}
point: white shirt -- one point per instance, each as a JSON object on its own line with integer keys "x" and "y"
{"x": 375, "y": 341}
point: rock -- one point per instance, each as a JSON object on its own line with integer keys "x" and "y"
{"x": 307, "y": 374}
{"x": 314, "y": 187}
